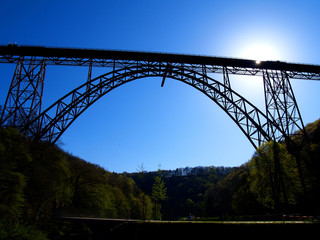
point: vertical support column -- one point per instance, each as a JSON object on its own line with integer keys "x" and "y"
{"x": 24, "y": 98}
{"x": 88, "y": 88}
{"x": 227, "y": 84}
{"x": 8, "y": 116}
{"x": 227, "y": 101}
{"x": 226, "y": 79}
{"x": 167, "y": 72}
{"x": 281, "y": 105}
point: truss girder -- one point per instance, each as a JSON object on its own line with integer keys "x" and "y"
{"x": 281, "y": 105}
{"x": 23, "y": 102}
{"x": 246, "y": 67}
{"x": 22, "y": 109}
{"x": 59, "y": 116}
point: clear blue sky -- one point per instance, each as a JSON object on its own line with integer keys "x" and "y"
{"x": 174, "y": 126}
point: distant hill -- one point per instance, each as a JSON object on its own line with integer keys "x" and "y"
{"x": 222, "y": 191}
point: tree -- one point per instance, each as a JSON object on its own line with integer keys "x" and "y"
{"x": 48, "y": 175}
{"x": 309, "y": 156}
{"x": 243, "y": 200}
{"x": 142, "y": 207}
{"x": 144, "y": 201}
{"x": 274, "y": 176}
{"x": 14, "y": 157}
{"x": 11, "y": 196}
{"x": 159, "y": 193}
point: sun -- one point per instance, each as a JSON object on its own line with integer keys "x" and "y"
{"x": 260, "y": 52}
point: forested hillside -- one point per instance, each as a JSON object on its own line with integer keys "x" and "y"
{"x": 277, "y": 180}
{"x": 186, "y": 188}
{"x": 39, "y": 181}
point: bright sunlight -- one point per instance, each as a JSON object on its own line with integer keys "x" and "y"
{"x": 252, "y": 87}
{"x": 260, "y": 52}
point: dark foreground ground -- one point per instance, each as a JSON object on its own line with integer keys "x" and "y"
{"x": 213, "y": 231}
{"x": 190, "y": 230}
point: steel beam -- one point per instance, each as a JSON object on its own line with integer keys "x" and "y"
{"x": 281, "y": 105}
{"x": 106, "y": 58}
{"x": 22, "y": 109}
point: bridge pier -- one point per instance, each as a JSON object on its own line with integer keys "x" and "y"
{"x": 23, "y": 102}
{"x": 281, "y": 105}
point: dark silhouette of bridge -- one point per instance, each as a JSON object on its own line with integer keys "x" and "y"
{"x": 278, "y": 121}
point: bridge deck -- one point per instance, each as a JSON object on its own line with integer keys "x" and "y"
{"x": 7, "y": 53}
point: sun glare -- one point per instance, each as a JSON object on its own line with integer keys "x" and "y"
{"x": 260, "y": 52}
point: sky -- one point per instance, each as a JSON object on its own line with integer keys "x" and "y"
{"x": 141, "y": 123}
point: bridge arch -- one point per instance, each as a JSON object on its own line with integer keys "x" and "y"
{"x": 60, "y": 115}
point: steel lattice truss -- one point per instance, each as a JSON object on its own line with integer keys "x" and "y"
{"x": 278, "y": 121}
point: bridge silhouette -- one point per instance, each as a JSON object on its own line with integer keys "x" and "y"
{"x": 22, "y": 109}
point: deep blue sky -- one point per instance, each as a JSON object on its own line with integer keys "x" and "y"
{"x": 174, "y": 126}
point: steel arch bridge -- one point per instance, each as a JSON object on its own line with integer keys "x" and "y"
{"x": 278, "y": 121}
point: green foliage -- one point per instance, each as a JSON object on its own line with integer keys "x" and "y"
{"x": 159, "y": 193}
{"x": 14, "y": 151}
{"x": 143, "y": 207}
{"x": 243, "y": 201}
{"x": 309, "y": 156}
{"x": 48, "y": 176}
{"x": 274, "y": 180}
{"x": 11, "y": 195}
{"x": 111, "y": 194}
{"x": 274, "y": 176}
{"x": 39, "y": 180}
{"x": 20, "y": 232}
{"x": 14, "y": 156}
